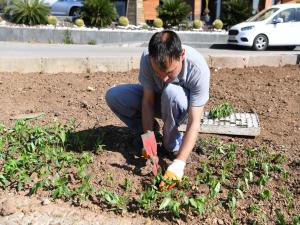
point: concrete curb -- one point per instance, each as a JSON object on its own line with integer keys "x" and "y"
{"x": 121, "y": 64}
{"x": 82, "y": 36}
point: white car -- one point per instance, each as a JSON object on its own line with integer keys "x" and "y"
{"x": 65, "y": 7}
{"x": 275, "y": 26}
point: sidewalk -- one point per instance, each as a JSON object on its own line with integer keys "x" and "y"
{"x": 59, "y": 58}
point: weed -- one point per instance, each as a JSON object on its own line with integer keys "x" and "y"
{"x": 92, "y": 42}
{"x": 68, "y": 37}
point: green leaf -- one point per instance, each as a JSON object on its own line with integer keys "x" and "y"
{"x": 165, "y": 203}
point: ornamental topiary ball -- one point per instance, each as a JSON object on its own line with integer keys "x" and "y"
{"x": 197, "y": 24}
{"x": 158, "y": 23}
{"x": 52, "y": 20}
{"x": 79, "y": 22}
{"x": 123, "y": 21}
{"x": 218, "y": 24}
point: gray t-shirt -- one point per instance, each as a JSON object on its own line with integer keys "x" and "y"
{"x": 194, "y": 76}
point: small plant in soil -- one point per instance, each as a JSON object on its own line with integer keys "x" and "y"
{"x": 221, "y": 111}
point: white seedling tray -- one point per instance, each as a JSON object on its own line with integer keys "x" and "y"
{"x": 242, "y": 124}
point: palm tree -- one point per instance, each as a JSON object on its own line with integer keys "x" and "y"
{"x": 173, "y": 12}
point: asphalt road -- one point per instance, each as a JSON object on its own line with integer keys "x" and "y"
{"x": 30, "y": 50}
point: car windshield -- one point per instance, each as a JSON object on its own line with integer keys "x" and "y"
{"x": 263, "y": 15}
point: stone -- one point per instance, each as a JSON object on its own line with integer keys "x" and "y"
{"x": 8, "y": 207}
{"x": 91, "y": 88}
{"x": 46, "y": 201}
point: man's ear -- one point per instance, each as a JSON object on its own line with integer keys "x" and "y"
{"x": 182, "y": 54}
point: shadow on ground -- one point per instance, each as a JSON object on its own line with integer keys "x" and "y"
{"x": 114, "y": 139}
{"x": 244, "y": 48}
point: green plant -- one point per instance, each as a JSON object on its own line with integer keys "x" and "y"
{"x": 79, "y": 22}
{"x": 280, "y": 217}
{"x": 265, "y": 194}
{"x": 221, "y": 110}
{"x": 116, "y": 202}
{"x": 218, "y": 24}
{"x": 35, "y": 158}
{"x": 29, "y": 12}
{"x": 157, "y": 22}
{"x": 127, "y": 184}
{"x": 197, "y": 24}
{"x": 52, "y": 20}
{"x": 98, "y": 13}
{"x": 235, "y": 11}
{"x": 68, "y": 37}
{"x": 198, "y": 203}
{"x": 123, "y": 21}
{"x": 173, "y": 12}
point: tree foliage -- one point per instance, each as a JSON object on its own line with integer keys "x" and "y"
{"x": 98, "y": 13}
{"x": 235, "y": 11}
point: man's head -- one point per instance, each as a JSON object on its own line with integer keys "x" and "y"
{"x": 166, "y": 55}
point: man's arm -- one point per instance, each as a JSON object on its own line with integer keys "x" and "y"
{"x": 148, "y": 109}
{"x": 190, "y": 137}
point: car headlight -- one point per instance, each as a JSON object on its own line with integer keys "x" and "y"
{"x": 247, "y": 28}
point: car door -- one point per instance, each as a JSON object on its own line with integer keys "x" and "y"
{"x": 296, "y": 27}
{"x": 60, "y": 7}
{"x": 279, "y": 30}
{"x": 282, "y": 33}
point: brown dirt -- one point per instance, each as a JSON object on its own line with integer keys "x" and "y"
{"x": 273, "y": 93}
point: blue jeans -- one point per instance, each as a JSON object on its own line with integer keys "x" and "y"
{"x": 171, "y": 106}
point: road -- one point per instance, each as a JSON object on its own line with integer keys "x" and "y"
{"x": 30, "y": 50}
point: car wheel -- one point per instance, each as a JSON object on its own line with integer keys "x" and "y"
{"x": 75, "y": 12}
{"x": 290, "y": 48}
{"x": 260, "y": 42}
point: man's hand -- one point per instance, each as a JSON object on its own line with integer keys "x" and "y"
{"x": 174, "y": 172}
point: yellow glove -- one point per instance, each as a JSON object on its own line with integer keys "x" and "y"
{"x": 174, "y": 172}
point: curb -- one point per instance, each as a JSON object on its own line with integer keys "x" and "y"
{"x": 121, "y": 64}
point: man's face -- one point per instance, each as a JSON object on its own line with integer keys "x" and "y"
{"x": 173, "y": 68}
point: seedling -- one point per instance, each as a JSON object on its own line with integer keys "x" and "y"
{"x": 265, "y": 194}
{"x": 109, "y": 178}
{"x": 116, "y": 202}
{"x": 198, "y": 203}
{"x": 221, "y": 111}
{"x": 280, "y": 217}
{"x": 127, "y": 185}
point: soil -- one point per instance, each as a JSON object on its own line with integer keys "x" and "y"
{"x": 273, "y": 93}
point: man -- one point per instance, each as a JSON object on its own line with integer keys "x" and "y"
{"x": 174, "y": 86}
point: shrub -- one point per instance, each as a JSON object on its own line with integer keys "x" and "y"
{"x": 3, "y": 4}
{"x": 235, "y": 11}
{"x": 123, "y": 21}
{"x": 29, "y": 12}
{"x": 218, "y": 24}
{"x": 98, "y": 13}
{"x": 197, "y": 24}
{"x": 52, "y": 20}
{"x": 173, "y": 12}
{"x": 79, "y": 22}
{"x": 157, "y": 22}
{"x": 145, "y": 26}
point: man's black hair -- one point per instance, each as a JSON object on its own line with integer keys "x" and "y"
{"x": 164, "y": 45}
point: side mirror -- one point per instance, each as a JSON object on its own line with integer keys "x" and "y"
{"x": 278, "y": 20}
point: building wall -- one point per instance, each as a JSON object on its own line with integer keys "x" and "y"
{"x": 268, "y": 3}
{"x": 150, "y": 9}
